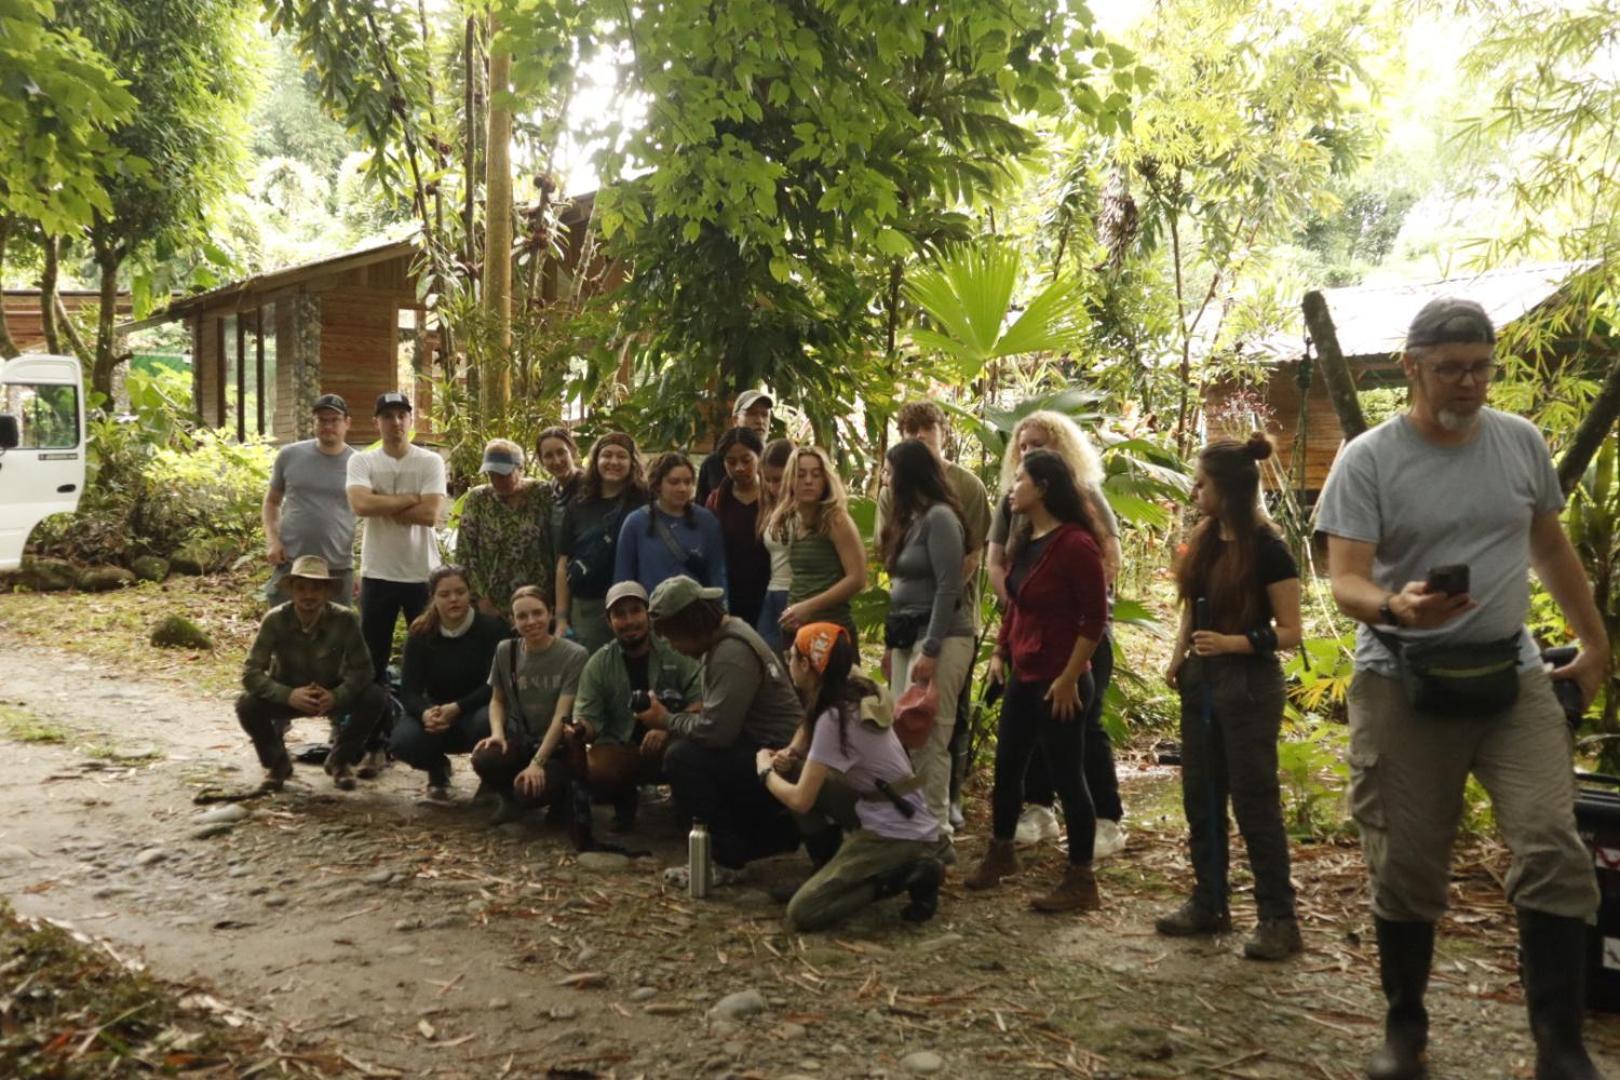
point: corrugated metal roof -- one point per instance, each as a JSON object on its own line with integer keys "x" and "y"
{"x": 1371, "y": 319}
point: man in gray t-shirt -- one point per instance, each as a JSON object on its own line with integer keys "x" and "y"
{"x": 306, "y": 508}
{"x": 748, "y": 704}
{"x": 1451, "y": 481}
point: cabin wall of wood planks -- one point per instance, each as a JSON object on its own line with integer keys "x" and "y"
{"x": 26, "y": 323}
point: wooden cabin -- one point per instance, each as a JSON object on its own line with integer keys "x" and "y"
{"x": 263, "y": 348}
{"x": 1371, "y": 321}
{"x": 24, "y": 320}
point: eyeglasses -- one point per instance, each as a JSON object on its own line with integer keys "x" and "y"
{"x": 1453, "y": 373}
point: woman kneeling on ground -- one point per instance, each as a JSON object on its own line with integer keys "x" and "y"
{"x": 445, "y": 680}
{"x": 895, "y": 850}
{"x": 1241, "y": 572}
{"x": 1057, "y": 607}
{"x": 534, "y": 680}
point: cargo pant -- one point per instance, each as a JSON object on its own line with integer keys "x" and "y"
{"x": 932, "y": 761}
{"x": 867, "y": 867}
{"x": 1407, "y": 775}
{"x": 1233, "y": 755}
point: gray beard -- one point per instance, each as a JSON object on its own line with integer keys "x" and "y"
{"x": 1456, "y": 422}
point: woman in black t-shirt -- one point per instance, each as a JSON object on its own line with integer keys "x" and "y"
{"x": 1239, "y": 590}
{"x": 588, "y": 537}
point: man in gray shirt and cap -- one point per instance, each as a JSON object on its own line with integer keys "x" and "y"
{"x": 306, "y": 508}
{"x": 748, "y": 703}
{"x": 1434, "y": 519}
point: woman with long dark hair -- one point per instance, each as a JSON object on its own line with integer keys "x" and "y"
{"x": 671, "y": 536}
{"x": 1057, "y": 606}
{"x": 738, "y": 503}
{"x": 772, "y": 469}
{"x": 928, "y": 638}
{"x": 1238, "y": 570}
{"x": 897, "y": 846}
{"x": 588, "y": 540}
{"x": 445, "y": 679}
{"x": 558, "y": 454}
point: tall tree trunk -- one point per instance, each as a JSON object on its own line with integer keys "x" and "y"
{"x": 47, "y": 297}
{"x": 1600, "y": 417}
{"x": 107, "y": 356}
{"x": 1341, "y": 385}
{"x": 64, "y": 322}
{"x": 8, "y": 347}
{"x": 497, "y": 381}
{"x": 469, "y": 164}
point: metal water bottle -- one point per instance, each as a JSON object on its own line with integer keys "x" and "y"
{"x": 697, "y": 861}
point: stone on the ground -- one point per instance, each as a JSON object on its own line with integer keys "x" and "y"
{"x": 642, "y": 993}
{"x": 228, "y": 812}
{"x": 179, "y": 632}
{"x": 378, "y": 877}
{"x": 151, "y": 855}
{"x": 105, "y": 579}
{"x": 738, "y": 1005}
{"x": 150, "y": 568}
{"x": 212, "y": 829}
{"x": 603, "y": 860}
{"x": 922, "y": 1062}
{"x": 41, "y": 574}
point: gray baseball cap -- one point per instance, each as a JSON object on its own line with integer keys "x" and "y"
{"x": 1448, "y": 319}
{"x": 749, "y": 398}
{"x": 498, "y": 460}
{"x": 676, "y": 594}
{"x": 624, "y": 590}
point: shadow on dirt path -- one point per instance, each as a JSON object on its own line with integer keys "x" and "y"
{"x": 425, "y": 944}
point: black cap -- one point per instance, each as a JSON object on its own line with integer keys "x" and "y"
{"x": 330, "y": 401}
{"x": 393, "y": 399}
{"x": 1448, "y": 319}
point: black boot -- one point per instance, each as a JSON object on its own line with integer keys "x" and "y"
{"x": 1553, "y": 956}
{"x": 1405, "y": 954}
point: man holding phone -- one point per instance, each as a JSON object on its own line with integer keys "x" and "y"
{"x": 1434, "y": 520}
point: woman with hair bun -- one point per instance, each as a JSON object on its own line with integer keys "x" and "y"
{"x": 1239, "y": 590}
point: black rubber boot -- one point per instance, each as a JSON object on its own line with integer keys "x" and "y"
{"x": 1553, "y": 955}
{"x": 1405, "y": 954}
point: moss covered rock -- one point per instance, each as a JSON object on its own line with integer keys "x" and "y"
{"x": 179, "y": 632}
{"x": 46, "y": 575}
{"x": 199, "y": 557}
{"x": 105, "y": 579}
{"x": 150, "y": 568}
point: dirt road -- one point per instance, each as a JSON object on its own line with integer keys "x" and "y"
{"x": 425, "y": 944}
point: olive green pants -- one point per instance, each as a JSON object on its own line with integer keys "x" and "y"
{"x": 1407, "y": 775}
{"x": 867, "y": 867}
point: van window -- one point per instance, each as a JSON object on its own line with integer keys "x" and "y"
{"x": 47, "y": 414}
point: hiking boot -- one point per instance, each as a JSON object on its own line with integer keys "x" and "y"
{"x": 438, "y": 783}
{"x": 277, "y": 775}
{"x": 372, "y": 765}
{"x": 624, "y": 812}
{"x": 955, "y": 816}
{"x": 1000, "y": 861}
{"x": 1274, "y": 939}
{"x": 1193, "y": 920}
{"x": 922, "y": 885}
{"x": 1110, "y": 839}
{"x": 1036, "y": 825}
{"x": 1077, "y": 891}
{"x": 1405, "y": 954}
{"x": 1553, "y": 955}
{"x": 482, "y": 794}
{"x": 507, "y": 810}
{"x": 342, "y": 778}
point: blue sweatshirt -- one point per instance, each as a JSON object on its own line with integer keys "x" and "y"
{"x": 644, "y": 556}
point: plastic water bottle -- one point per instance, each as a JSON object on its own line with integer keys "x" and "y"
{"x": 697, "y": 861}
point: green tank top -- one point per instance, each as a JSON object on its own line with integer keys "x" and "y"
{"x": 816, "y": 567}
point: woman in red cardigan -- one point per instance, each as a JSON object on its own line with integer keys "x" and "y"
{"x": 1057, "y": 609}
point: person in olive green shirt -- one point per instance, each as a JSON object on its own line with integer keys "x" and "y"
{"x": 309, "y": 659}
{"x": 622, "y": 754}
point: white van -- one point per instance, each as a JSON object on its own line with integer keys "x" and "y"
{"x": 41, "y": 446}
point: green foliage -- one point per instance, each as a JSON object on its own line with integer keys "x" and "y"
{"x": 59, "y": 99}
{"x": 1320, "y": 671}
{"x": 1593, "y": 521}
{"x": 1314, "y": 774}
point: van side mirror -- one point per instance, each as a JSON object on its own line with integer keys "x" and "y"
{"x": 10, "y": 433}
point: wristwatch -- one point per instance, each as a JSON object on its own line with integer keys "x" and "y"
{"x": 1386, "y": 614}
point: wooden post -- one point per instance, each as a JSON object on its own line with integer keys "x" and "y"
{"x": 497, "y": 385}
{"x": 219, "y": 367}
{"x": 258, "y": 358}
{"x": 1335, "y": 372}
{"x": 1600, "y": 417}
{"x": 241, "y": 379}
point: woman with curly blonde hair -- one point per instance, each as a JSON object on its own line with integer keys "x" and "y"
{"x": 825, "y": 554}
{"x": 1048, "y": 430}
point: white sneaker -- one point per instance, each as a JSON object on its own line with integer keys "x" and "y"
{"x": 1110, "y": 839}
{"x": 1036, "y": 825}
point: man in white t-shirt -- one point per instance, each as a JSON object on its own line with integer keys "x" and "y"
{"x": 399, "y": 491}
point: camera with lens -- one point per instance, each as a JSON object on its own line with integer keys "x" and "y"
{"x": 641, "y": 700}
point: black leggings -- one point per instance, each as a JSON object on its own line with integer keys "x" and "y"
{"x": 1101, "y": 777}
{"x": 1027, "y": 721}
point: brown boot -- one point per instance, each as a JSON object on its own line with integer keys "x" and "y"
{"x": 1076, "y": 892}
{"x": 999, "y": 861}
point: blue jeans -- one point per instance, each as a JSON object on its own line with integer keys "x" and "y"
{"x": 770, "y": 618}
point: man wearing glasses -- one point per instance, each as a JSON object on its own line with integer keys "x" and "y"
{"x": 306, "y": 509}
{"x": 1434, "y": 520}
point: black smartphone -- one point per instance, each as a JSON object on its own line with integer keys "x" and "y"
{"x": 1451, "y": 580}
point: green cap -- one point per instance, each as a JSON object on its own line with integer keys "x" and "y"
{"x": 676, "y": 594}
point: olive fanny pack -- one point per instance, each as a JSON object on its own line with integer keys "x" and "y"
{"x": 1462, "y": 679}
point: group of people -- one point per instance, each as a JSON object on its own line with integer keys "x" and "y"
{"x": 619, "y": 624}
